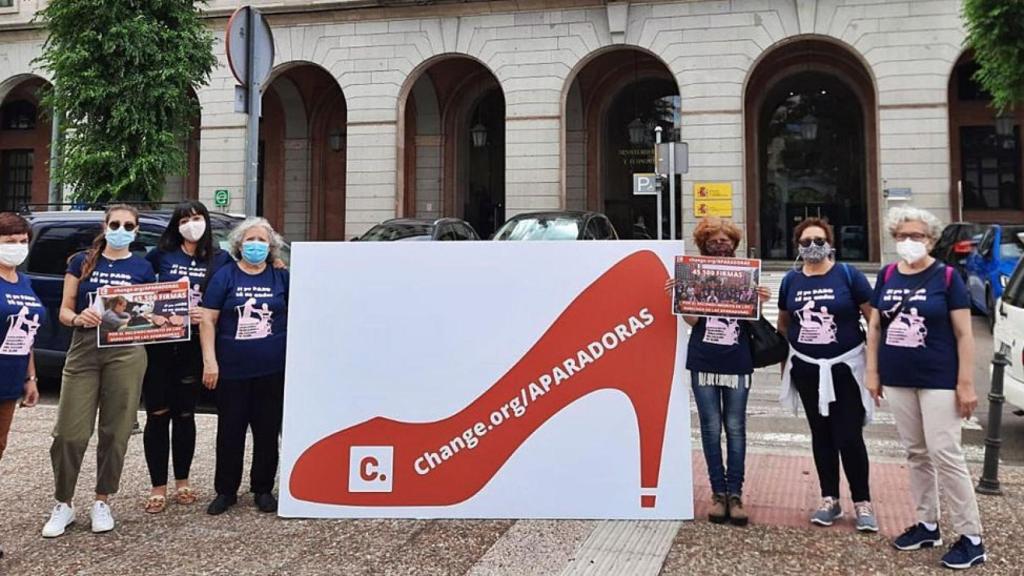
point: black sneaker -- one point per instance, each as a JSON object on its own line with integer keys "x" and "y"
{"x": 963, "y": 554}
{"x": 265, "y": 502}
{"x": 917, "y": 537}
{"x": 221, "y": 504}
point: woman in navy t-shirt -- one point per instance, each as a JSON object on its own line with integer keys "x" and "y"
{"x": 171, "y": 389}
{"x": 103, "y": 380}
{"x": 921, "y": 357}
{"x": 820, "y": 307}
{"x": 21, "y": 315}
{"x": 244, "y": 330}
{"x": 720, "y": 362}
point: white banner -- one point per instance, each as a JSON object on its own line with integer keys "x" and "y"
{"x": 485, "y": 380}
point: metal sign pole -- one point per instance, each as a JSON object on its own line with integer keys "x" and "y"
{"x": 253, "y": 121}
{"x": 672, "y": 189}
{"x": 657, "y": 141}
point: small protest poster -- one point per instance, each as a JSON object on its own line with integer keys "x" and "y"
{"x": 143, "y": 314}
{"x": 718, "y": 287}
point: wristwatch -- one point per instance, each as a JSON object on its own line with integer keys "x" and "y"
{"x": 32, "y": 379}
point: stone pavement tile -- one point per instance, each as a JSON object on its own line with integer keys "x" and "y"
{"x": 633, "y": 547}
{"x": 350, "y": 547}
{"x": 783, "y": 491}
{"x": 443, "y": 547}
{"x": 704, "y": 548}
{"x": 534, "y": 548}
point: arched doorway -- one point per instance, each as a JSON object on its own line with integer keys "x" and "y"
{"x": 986, "y": 155}
{"x": 811, "y": 150}
{"x": 301, "y": 177}
{"x": 453, "y": 142}
{"x": 24, "y": 144}
{"x": 612, "y": 108}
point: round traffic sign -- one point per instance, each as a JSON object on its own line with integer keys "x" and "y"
{"x": 237, "y": 40}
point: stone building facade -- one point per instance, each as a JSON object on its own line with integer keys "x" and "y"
{"x": 483, "y": 110}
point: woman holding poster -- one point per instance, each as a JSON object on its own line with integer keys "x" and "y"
{"x": 21, "y": 314}
{"x": 820, "y": 307}
{"x": 720, "y": 362}
{"x": 243, "y": 332}
{"x": 171, "y": 389}
{"x": 103, "y": 380}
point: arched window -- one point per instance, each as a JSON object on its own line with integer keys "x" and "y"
{"x": 18, "y": 115}
{"x": 986, "y": 154}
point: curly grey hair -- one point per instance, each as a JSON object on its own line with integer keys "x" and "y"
{"x": 237, "y": 235}
{"x": 901, "y": 214}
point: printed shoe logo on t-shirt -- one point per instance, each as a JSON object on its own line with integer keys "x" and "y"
{"x": 722, "y": 331}
{"x": 253, "y": 323}
{"x": 908, "y": 330}
{"x": 816, "y": 326}
{"x": 21, "y": 332}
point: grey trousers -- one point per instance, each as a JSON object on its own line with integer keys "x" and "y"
{"x": 929, "y": 427}
{"x": 103, "y": 380}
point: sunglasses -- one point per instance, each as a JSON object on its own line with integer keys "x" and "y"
{"x": 806, "y": 242}
{"x": 116, "y": 225}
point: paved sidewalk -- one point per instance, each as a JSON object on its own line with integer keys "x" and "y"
{"x": 781, "y": 490}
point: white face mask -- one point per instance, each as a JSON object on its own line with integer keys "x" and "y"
{"x": 911, "y": 251}
{"x": 193, "y": 230}
{"x": 13, "y": 254}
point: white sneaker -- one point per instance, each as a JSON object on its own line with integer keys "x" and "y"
{"x": 61, "y": 517}
{"x": 102, "y": 519}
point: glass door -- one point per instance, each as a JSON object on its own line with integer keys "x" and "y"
{"x": 812, "y": 157}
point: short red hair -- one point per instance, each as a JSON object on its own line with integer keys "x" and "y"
{"x": 813, "y": 223}
{"x": 712, "y": 225}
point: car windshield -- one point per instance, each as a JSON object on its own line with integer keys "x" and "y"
{"x": 556, "y": 228}
{"x": 397, "y": 231}
{"x": 1012, "y": 245}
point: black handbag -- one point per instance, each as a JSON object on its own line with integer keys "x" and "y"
{"x": 767, "y": 345}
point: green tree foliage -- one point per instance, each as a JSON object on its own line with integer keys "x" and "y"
{"x": 995, "y": 31}
{"x": 121, "y": 71}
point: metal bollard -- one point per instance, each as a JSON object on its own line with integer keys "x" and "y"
{"x": 989, "y": 483}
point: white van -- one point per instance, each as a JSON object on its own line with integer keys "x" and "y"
{"x": 1009, "y": 330}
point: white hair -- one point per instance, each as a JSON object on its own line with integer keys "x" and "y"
{"x": 237, "y": 236}
{"x": 902, "y": 214}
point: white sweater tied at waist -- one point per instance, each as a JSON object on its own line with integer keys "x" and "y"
{"x": 855, "y": 358}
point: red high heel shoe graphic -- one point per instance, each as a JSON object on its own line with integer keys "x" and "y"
{"x": 622, "y": 322}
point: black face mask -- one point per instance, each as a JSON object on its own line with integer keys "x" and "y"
{"x": 719, "y": 250}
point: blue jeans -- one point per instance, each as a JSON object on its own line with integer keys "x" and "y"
{"x": 717, "y": 405}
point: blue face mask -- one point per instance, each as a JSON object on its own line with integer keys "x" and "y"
{"x": 255, "y": 252}
{"x": 119, "y": 238}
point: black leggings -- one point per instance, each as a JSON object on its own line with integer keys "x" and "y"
{"x": 171, "y": 389}
{"x": 243, "y": 404}
{"x": 840, "y": 435}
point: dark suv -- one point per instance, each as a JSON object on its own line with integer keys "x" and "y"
{"x": 58, "y": 235}
{"x": 407, "y": 229}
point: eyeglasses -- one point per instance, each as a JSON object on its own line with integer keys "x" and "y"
{"x": 806, "y": 242}
{"x": 116, "y": 225}
{"x": 720, "y": 242}
{"x": 915, "y": 236}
